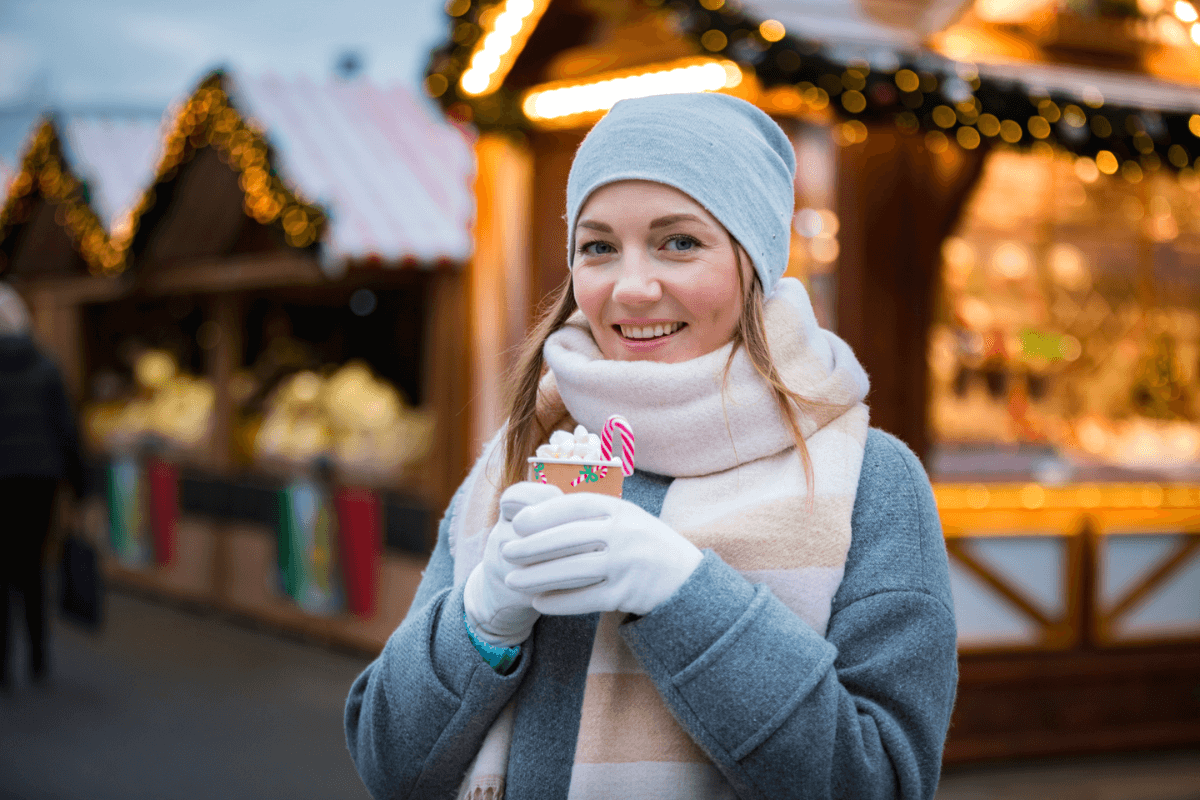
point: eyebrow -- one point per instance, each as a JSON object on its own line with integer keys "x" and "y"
{"x": 660, "y": 222}
{"x": 671, "y": 219}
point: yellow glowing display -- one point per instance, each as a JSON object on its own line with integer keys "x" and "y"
{"x": 568, "y": 99}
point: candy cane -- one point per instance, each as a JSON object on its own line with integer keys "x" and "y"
{"x": 588, "y": 473}
{"x": 539, "y": 472}
{"x": 618, "y": 423}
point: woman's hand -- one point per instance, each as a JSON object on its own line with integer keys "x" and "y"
{"x": 589, "y": 552}
{"x": 496, "y": 613}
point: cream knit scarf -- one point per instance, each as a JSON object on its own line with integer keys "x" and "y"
{"x": 739, "y": 489}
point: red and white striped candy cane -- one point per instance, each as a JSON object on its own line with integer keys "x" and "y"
{"x": 616, "y": 423}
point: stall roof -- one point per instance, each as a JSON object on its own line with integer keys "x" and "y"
{"x": 866, "y": 61}
{"x": 892, "y": 23}
{"x": 394, "y": 178}
{"x": 92, "y": 167}
{"x": 1118, "y": 88}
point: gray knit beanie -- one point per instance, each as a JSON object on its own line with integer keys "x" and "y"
{"x": 723, "y": 152}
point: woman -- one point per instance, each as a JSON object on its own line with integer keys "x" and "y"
{"x": 39, "y": 446}
{"x": 766, "y": 612}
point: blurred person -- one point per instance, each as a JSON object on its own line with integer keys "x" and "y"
{"x": 39, "y": 446}
{"x": 766, "y": 611}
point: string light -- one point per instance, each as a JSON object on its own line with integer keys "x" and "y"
{"x": 907, "y": 80}
{"x": 208, "y": 119}
{"x": 947, "y": 97}
{"x": 44, "y": 172}
{"x": 570, "y": 99}
{"x": 497, "y": 49}
{"x": 772, "y": 30}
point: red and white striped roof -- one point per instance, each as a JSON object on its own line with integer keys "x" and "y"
{"x": 395, "y": 179}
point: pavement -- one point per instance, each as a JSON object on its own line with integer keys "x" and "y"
{"x": 174, "y": 704}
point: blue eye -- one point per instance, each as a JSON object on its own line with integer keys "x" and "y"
{"x": 597, "y": 249}
{"x": 681, "y": 244}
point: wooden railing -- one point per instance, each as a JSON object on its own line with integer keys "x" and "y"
{"x": 1083, "y": 521}
{"x": 1091, "y": 671}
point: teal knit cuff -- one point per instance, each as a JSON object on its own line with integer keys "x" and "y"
{"x": 501, "y": 659}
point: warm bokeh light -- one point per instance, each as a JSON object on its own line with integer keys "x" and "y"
{"x": 772, "y": 30}
{"x": 907, "y": 80}
{"x": 496, "y": 50}
{"x": 570, "y": 99}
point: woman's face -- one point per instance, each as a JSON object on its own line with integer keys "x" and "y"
{"x": 654, "y": 273}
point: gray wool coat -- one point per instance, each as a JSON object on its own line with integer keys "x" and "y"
{"x": 780, "y": 710}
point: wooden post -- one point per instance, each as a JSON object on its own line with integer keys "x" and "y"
{"x": 896, "y": 203}
{"x": 223, "y": 360}
{"x": 498, "y": 291}
{"x": 447, "y": 380}
{"x": 553, "y": 152}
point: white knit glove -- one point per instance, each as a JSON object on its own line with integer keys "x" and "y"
{"x": 589, "y": 552}
{"x": 500, "y": 615}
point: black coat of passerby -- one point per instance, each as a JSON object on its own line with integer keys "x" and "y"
{"x": 39, "y": 447}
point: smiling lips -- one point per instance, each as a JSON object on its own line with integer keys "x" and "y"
{"x": 648, "y": 331}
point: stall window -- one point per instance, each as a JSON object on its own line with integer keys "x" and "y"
{"x": 333, "y": 377}
{"x": 1067, "y": 340}
{"x": 145, "y": 361}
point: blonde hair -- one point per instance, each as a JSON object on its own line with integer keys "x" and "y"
{"x": 525, "y": 433}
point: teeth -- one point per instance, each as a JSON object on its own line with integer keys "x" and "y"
{"x": 649, "y": 331}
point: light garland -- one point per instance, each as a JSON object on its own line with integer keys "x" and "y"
{"x": 570, "y": 100}
{"x": 208, "y": 119}
{"x": 499, "y": 44}
{"x": 948, "y": 103}
{"x": 45, "y": 173}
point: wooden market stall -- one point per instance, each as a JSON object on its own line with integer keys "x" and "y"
{"x": 71, "y": 184}
{"x": 922, "y": 130}
{"x": 281, "y": 386}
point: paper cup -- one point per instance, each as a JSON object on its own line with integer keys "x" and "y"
{"x": 578, "y": 476}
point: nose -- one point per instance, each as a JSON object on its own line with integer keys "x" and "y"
{"x": 637, "y": 283}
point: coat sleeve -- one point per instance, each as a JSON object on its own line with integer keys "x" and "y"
{"x": 784, "y": 712}
{"x": 416, "y": 717}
